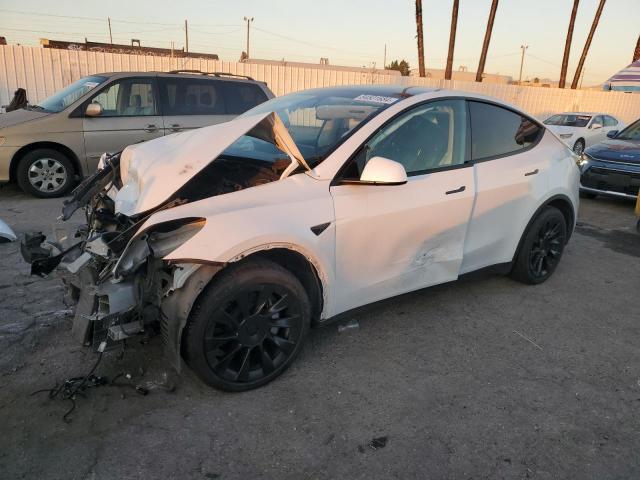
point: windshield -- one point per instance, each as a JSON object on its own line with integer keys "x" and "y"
{"x": 317, "y": 120}
{"x": 568, "y": 120}
{"x": 69, "y": 94}
{"x": 632, "y": 132}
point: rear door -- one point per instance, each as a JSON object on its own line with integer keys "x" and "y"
{"x": 392, "y": 239}
{"x": 129, "y": 115}
{"x": 511, "y": 179}
{"x": 597, "y": 134}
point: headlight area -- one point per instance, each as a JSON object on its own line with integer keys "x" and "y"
{"x": 583, "y": 161}
{"x": 128, "y": 300}
{"x": 159, "y": 241}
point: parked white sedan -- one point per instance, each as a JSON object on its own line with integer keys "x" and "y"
{"x": 236, "y": 238}
{"x": 580, "y": 130}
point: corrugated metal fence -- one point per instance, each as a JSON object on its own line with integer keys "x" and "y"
{"x": 43, "y": 71}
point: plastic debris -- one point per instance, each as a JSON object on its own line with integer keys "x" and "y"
{"x": 349, "y": 326}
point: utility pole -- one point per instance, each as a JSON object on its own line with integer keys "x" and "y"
{"x": 110, "y": 36}
{"x": 583, "y": 57}
{"x": 452, "y": 40}
{"x": 186, "y": 37}
{"x": 421, "y": 70}
{"x": 523, "y": 48}
{"x": 567, "y": 45}
{"x": 248, "y": 20}
{"x": 487, "y": 39}
{"x": 384, "y": 63}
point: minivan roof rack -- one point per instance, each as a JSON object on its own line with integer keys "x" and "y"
{"x": 215, "y": 74}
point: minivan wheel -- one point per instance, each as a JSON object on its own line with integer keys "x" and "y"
{"x": 247, "y": 326}
{"x": 45, "y": 173}
{"x": 542, "y": 247}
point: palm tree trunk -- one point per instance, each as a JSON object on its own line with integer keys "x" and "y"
{"x": 636, "y": 52}
{"x": 567, "y": 45}
{"x": 583, "y": 57}
{"x": 487, "y": 39}
{"x": 421, "y": 70}
{"x": 452, "y": 39}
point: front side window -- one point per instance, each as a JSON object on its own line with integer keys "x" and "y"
{"x": 127, "y": 98}
{"x": 568, "y": 120}
{"x": 426, "y": 138}
{"x": 496, "y": 131}
{"x": 68, "y": 95}
{"x": 598, "y": 120}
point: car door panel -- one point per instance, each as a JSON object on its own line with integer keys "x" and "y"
{"x": 122, "y": 123}
{"x": 395, "y": 239}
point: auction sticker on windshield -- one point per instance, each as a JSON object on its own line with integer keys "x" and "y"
{"x": 376, "y": 99}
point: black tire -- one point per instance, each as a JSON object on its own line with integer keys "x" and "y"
{"x": 247, "y": 326}
{"x": 578, "y": 147}
{"x": 541, "y": 248}
{"x": 45, "y": 173}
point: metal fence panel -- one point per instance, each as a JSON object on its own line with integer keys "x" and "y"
{"x": 43, "y": 71}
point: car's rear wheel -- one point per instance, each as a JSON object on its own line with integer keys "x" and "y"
{"x": 578, "y": 147}
{"x": 247, "y": 326}
{"x": 541, "y": 248}
{"x": 45, "y": 173}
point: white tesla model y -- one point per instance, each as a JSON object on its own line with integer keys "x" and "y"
{"x": 235, "y": 238}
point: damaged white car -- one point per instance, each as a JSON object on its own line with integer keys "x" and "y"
{"x": 232, "y": 240}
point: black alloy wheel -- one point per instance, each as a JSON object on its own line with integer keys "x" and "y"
{"x": 248, "y": 326}
{"x": 541, "y": 247}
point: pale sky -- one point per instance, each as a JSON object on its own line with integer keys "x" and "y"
{"x": 348, "y": 32}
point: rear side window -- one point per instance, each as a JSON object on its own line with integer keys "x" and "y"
{"x": 186, "y": 96}
{"x": 241, "y": 96}
{"x": 496, "y": 131}
{"x": 610, "y": 121}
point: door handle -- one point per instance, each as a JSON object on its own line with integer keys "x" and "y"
{"x": 150, "y": 128}
{"x": 533, "y": 172}
{"x": 457, "y": 190}
{"x": 175, "y": 127}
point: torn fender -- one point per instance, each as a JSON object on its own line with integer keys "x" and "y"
{"x": 153, "y": 171}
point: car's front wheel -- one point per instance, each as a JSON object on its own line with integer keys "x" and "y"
{"x": 541, "y": 248}
{"x": 578, "y": 147}
{"x": 45, "y": 173}
{"x": 247, "y": 326}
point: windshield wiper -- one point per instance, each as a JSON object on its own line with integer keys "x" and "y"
{"x": 36, "y": 107}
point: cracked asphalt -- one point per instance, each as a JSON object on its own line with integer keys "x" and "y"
{"x": 483, "y": 378}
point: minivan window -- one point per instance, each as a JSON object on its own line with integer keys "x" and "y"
{"x": 241, "y": 97}
{"x": 496, "y": 131}
{"x": 68, "y": 95}
{"x": 186, "y": 96}
{"x": 127, "y": 98}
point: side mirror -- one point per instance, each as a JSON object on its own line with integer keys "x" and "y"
{"x": 595, "y": 126}
{"x": 612, "y": 133}
{"x": 382, "y": 171}
{"x": 93, "y": 110}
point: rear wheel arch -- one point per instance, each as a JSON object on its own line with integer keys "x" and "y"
{"x": 562, "y": 203}
{"x": 63, "y": 149}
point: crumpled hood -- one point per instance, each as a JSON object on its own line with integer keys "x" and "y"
{"x": 153, "y": 171}
{"x": 16, "y": 117}
{"x": 616, "y": 150}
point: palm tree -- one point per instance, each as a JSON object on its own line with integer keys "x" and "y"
{"x": 452, "y": 39}
{"x": 420, "y": 38}
{"x": 567, "y": 45}
{"x": 636, "y": 52}
{"x": 587, "y": 44}
{"x": 487, "y": 39}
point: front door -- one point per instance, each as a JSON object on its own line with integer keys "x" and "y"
{"x": 395, "y": 239}
{"x": 129, "y": 115}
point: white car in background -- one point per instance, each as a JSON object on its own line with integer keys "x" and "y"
{"x": 234, "y": 239}
{"x": 580, "y": 130}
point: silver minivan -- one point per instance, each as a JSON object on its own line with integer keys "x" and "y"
{"x": 46, "y": 148}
